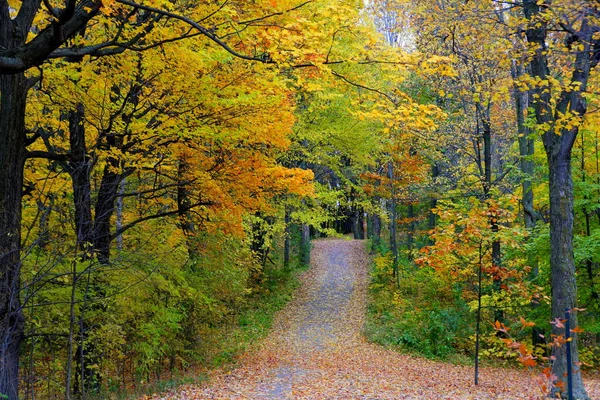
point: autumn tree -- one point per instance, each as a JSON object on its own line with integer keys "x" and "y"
{"x": 79, "y": 34}
{"x": 559, "y": 105}
{"x": 33, "y": 32}
{"x": 544, "y": 53}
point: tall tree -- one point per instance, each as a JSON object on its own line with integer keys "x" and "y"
{"x": 559, "y": 109}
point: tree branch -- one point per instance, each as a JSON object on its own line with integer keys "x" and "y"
{"x": 47, "y": 155}
{"x": 275, "y": 14}
{"x": 156, "y": 216}
{"x": 206, "y": 32}
{"x": 36, "y": 51}
{"x": 358, "y": 85}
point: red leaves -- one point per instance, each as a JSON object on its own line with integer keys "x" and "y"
{"x": 526, "y": 323}
{"x": 500, "y": 327}
{"x": 527, "y": 361}
{"x": 558, "y": 323}
{"x": 287, "y": 365}
{"x": 578, "y": 329}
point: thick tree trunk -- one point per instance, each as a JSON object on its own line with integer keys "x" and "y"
{"x": 79, "y": 168}
{"x": 13, "y": 94}
{"x": 558, "y": 149}
{"x": 105, "y": 207}
{"x": 358, "y": 229}
{"x": 562, "y": 264}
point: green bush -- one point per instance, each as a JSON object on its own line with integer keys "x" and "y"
{"x": 409, "y": 315}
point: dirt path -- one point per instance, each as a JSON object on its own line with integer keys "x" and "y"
{"x": 316, "y": 350}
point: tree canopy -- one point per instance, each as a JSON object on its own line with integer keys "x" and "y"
{"x": 164, "y": 162}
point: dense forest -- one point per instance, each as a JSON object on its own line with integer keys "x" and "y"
{"x": 164, "y": 165}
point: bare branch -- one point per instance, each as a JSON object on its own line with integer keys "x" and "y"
{"x": 47, "y": 155}
{"x": 156, "y": 216}
{"x": 206, "y": 32}
{"x": 358, "y": 85}
{"x": 275, "y": 14}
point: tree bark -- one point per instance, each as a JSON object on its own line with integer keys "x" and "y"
{"x": 79, "y": 168}
{"x": 562, "y": 263}
{"x": 186, "y": 222}
{"x": 484, "y": 115}
{"x": 13, "y": 95}
{"x": 526, "y": 151}
{"x": 287, "y": 240}
{"x": 393, "y": 221}
{"x": 305, "y": 244}
{"x": 120, "y": 216}
{"x": 105, "y": 207}
{"x": 375, "y": 224}
{"x": 558, "y": 147}
{"x": 357, "y": 223}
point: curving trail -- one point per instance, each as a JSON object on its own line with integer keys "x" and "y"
{"x": 316, "y": 350}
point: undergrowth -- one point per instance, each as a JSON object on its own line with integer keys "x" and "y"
{"x": 223, "y": 342}
{"x": 411, "y": 313}
{"x": 229, "y": 340}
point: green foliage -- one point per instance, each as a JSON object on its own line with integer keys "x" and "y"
{"x": 153, "y": 316}
{"x": 422, "y": 314}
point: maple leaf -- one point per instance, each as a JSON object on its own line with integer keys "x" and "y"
{"x": 557, "y": 322}
{"x": 527, "y": 361}
{"x": 526, "y": 323}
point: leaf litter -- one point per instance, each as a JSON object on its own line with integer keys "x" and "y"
{"x": 316, "y": 350}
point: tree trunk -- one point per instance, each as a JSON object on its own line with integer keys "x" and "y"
{"x": 105, "y": 207}
{"x": 186, "y": 222}
{"x": 558, "y": 147}
{"x": 120, "y": 216}
{"x": 258, "y": 244}
{"x": 79, "y": 168}
{"x": 526, "y": 149}
{"x": 358, "y": 224}
{"x": 287, "y": 240}
{"x": 305, "y": 244}
{"x": 393, "y": 221}
{"x": 562, "y": 264}
{"x": 13, "y": 95}
{"x": 435, "y": 172}
{"x": 484, "y": 114}
{"x": 375, "y": 230}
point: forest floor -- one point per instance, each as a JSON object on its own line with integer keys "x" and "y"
{"x": 316, "y": 350}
